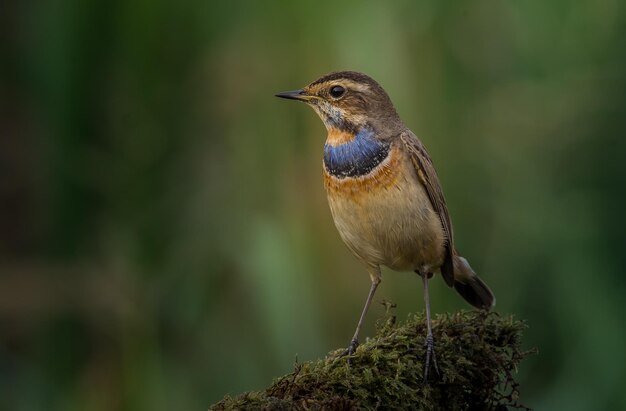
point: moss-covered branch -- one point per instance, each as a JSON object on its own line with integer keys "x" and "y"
{"x": 477, "y": 354}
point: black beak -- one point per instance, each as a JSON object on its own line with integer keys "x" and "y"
{"x": 293, "y": 95}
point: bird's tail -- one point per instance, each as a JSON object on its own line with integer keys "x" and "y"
{"x": 470, "y": 286}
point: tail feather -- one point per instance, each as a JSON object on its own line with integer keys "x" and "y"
{"x": 470, "y": 286}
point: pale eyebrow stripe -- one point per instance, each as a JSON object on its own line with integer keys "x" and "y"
{"x": 361, "y": 87}
{"x": 356, "y": 86}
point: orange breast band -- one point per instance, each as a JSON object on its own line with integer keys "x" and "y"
{"x": 337, "y": 137}
{"x": 383, "y": 176}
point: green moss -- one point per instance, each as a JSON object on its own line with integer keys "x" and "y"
{"x": 477, "y": 354}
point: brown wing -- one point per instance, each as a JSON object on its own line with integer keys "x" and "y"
{"x": 428, "y": 176}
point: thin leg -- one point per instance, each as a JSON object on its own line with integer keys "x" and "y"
{"x": 355, "y": 339}
{"x": 430, "y": 344}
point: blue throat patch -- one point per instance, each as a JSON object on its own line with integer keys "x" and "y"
{"x": 357, "y": 157}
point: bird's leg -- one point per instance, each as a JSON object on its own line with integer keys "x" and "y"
{"x": 375, "y": 277}
{"x": 430, "y": 344}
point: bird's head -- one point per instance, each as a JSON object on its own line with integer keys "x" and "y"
{"x": 350, "y": 101}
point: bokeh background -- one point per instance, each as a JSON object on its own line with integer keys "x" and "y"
{"x": 164, "y": 233}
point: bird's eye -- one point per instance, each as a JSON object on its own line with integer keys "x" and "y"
{"x": 337, "y": 91}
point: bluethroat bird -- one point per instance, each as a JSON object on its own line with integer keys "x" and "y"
{"x": 384, "y": 194}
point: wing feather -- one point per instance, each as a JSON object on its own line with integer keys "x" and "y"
{"x": 428, "y": 177}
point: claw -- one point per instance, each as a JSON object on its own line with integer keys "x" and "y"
{"x": 430, "y": 353}
{"x": 354, "y": 343}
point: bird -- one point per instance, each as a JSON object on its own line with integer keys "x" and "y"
{"x": 384, "y": 194}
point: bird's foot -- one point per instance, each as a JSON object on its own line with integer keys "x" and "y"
{"x": 430, "y": 353}
{"x": 351, "y": 348}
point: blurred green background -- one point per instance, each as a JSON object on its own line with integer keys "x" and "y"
{"x": 164, "y": 232}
